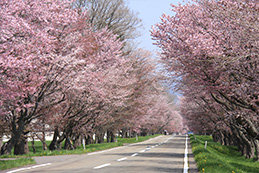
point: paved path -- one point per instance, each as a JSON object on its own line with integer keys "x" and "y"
{"x": 160, "y": 154}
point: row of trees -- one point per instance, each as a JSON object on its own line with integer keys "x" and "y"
{"x": 210, "y": 47}
{"x": 61, "y": 73}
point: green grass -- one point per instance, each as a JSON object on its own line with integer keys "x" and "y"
{"x": 78, "y": 150}
{"x": 27, "y": 160}
{"x": 8, "y": 164}
{"x": 220, "y": 159}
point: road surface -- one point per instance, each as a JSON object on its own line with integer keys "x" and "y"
{"x": 160, "y": 154}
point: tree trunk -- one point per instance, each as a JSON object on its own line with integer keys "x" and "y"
{"x": 68, "y": 144}
{"x": 33, "y": 143}
{"x": 78, "y": 141}
{"x": 124, "y": 133}
{"x": 108, "y": 136}
{"x": 247, "y": 145}
{"x": 112, "y": 136}
{"x": 21, "y": 147}
{"x": 53, "y": 144}
{"x": 143, "y": 132}
{"x": 129, "y": 133}
{"x": 100, "y": 138}
{"x": 59, "y": 141}
{"x": 43, "y": 141}
{"x": 1, "y": 141}
{"x": 89, "y": 139}
{"x": 256, "y": 143}
{"x": 16, "y": 135}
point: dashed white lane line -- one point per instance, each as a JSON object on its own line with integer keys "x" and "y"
{"x": 134, "y": 154}
{"x": 22, "y": 169}
{"x": 101, "y": 166}
{"x": 142, "y": 151}
{"x": 121, "y": 159}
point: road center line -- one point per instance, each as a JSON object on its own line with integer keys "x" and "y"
{"x": 101, "y": 166}
{"x": 22, "y": 169}
{"x": 134, "y": 154}
{"x": 124, "y": 158}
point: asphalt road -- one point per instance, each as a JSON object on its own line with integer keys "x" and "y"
{"x": 160, "y": 154}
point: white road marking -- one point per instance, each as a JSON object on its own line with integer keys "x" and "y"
{"x": 124, "y": 158}
{"x": 134, "y": 154}
{"x": 185, "y": 169}
{"x": 152, "y": 146}
{"x": 22, "y": 169}
{"x": 101, "y": 166}
{"x": 142, "y": 151}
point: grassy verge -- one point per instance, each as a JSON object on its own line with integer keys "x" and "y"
{"x": 217, "y": 158}
{"x": 27, "y": 160}
{"x": 8, "y": 164}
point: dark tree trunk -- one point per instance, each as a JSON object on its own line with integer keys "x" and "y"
{"x": 108, "y": 136}
{"x": 143, "y": 132}
{"x": 123, "y": 133}
{"x": 129, "y": 133}
{"x": 99, "y": 138}
{"x": 68, "y": 144}
{"x": 1, "y": 141}
{"x": 112, "y": 136}
{"x": 89, "y": 139}
{"x": 247, "y": 146}
{"x": 53, "y": 144}
{"x": 33, "y": 144}
{"x": 78, "y": 141}
{"x": 16, "y": 135}
{"x": 248, "y": 133}
{"x": 21, "y": 147}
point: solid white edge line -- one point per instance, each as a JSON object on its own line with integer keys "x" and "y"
{"x": 185, "y": 169}
{"x": 101, "y": 166}
{"x": 121, "y": 159}
{"x": 22, "y": 169}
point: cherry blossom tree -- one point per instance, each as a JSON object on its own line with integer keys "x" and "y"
{"x": 32, "y": 38}
{"x": 210, "y": 48}
{"x": 57, "y": 74}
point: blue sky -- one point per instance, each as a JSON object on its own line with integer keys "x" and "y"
{"x": 150, "y": 12}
